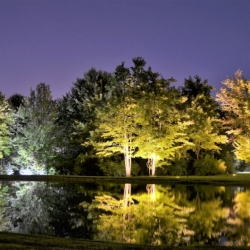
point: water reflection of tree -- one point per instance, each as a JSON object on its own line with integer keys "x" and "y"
{"x": 238, "y": 228}
{"x": 66, "y": 217}
{"x": 3, "y": 221}
{"x": 149, "y": 218}
{"x": 209, "y": 216}
{"x": 41, "y": 208}
{"x": 27, "y": 211}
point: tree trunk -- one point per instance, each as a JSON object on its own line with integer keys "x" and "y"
{"x": 153, "y": 160}
{"x": 152, "y": 165}
{"x": 127, "y": 159}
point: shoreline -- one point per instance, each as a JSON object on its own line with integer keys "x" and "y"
{"x": 225, "y": 180}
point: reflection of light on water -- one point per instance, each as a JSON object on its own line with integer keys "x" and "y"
{"x": 153, "y": 193}
{"x": 153, "y": 197}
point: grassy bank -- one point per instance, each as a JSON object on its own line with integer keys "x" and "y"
{"x": 13, "y": 241}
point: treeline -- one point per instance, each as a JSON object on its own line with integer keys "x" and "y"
{"x": 132, "y": 117}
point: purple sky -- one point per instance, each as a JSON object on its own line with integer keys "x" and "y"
{"x": 56, "y": 41}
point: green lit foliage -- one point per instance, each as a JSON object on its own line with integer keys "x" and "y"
{"x": 209, "y": 216}
{"x": 163, "y": 126}
{"x": 6, "y": 119}
{"x": 235, "y": 102}
{"x": 159, "y": 220}
{"x": 208, "y": 165}
{"x": 140, "y": 118}
{"x": 238, "y": 230}
{"x": 115, "y": 132}
{"x": 242, "y": 204}
{"x": 228, "y": 157}
{"x": 152, "y": 219}
{"x": 205, "y": 143}
{"x": 34, "y": 132}
{"x": 242, "y": 147}
{"x": 116, "y": 126}
{"x": 205, "y": 131}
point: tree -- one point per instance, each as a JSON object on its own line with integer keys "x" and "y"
{"x": 116, "y": 124}
{"x": 141, "y": 113}
{"x": 6, "y": 119}
{"x": 16, "y": 101}
{"x": 116, "y": 127}
{"x": 116, "y": 132}
{"x": 205, "y": 136}
{"x": 235, "y": 102}
{"x": 34, "y": 132}
{"x": 163, "y": 125}
{"x": 76, "y": 118}
{"x": 205, "y": 131}
{"x": 193, "y": 88}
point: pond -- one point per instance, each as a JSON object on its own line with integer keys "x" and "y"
{"x": 153, "y": 214}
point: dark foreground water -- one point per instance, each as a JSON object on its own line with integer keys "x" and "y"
{"x": 146, "y": 214}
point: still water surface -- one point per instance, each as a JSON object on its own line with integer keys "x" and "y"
{"x": 146, "y": 214}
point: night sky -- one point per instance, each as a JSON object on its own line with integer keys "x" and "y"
{"x": 56, "y": 41}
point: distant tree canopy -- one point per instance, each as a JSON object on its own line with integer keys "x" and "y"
{"x": 132, "y": 115}
{"x": 234, "y": 100}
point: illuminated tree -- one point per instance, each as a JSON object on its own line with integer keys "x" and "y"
{"x": 34, "y": 131}
{"x": 205, "y": 131}
{"x": 116, "y": 120}
{"x": 141, "y": 118}
{"x": 163, "y": 125}
{"x": 116, "y": 131}
{"x": 6, "y": 119}
{"x": 235, "y": 102}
